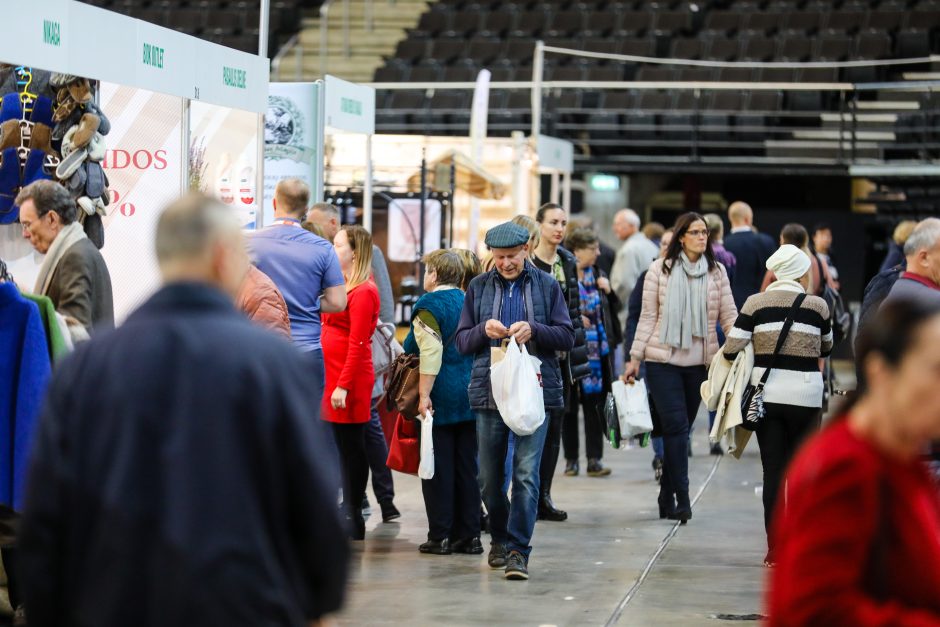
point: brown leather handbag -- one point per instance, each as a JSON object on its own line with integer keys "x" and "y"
{"x": 401, "y": 388}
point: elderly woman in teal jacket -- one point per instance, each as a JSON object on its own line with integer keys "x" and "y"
{"x": 452, "y": 496}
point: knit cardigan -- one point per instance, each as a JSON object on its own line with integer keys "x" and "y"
{"x": 646, "y": 344}
{"x": 796, "y": 378}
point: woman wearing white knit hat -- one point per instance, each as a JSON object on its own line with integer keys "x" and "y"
{"x": 793, "y": 392}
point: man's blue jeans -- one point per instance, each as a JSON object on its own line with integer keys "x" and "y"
{"x": 512, "y": 523}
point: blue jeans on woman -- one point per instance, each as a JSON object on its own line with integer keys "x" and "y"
{"x": 512, "y": 523}
{"x": 675, "y": 391}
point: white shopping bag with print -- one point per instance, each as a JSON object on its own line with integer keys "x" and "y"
{"x": 633, "y": 408}
{"x": 426, "y": 467}
{"x": 517, "y": 389}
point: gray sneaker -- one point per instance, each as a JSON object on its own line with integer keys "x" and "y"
{"x": 517, "y": 566}
{"x": 497, "y": 556}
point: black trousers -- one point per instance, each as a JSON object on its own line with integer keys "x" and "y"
{"x": 351, "y": 443}
{"x": 377, "y": 452}
{"x": 452, "y": 496}
{"x": 780, "y": 435}
{"x": 552, "y": 446}
{"x": 592, "y": 405}
{"x": 675, "y": 392}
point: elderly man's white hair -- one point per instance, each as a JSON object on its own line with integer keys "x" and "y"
{"x": 925, "y": 235}
{"x": 189, "y": 227}
{"x": 630, "y": 216}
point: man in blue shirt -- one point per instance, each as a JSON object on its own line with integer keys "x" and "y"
{"x": 305, "y": 269}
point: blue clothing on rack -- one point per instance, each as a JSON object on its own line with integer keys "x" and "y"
{"x": 24, "y": 373}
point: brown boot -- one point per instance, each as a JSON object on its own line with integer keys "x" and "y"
{"x": 41, "y": 139}
{"x": 87, "y": 127}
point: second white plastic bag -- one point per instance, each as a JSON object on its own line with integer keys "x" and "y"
{"x": 517, "y": 389}
{"x": 426, "y": 467}
{"x": 633, "y": 408}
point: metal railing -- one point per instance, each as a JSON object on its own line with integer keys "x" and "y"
{"x": 848, "y": 125}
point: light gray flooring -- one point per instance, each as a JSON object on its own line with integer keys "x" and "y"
{"x": 582, "y": 568}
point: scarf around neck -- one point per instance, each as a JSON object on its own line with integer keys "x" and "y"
{"x": 68, "y": 236}
{"x": 685, "y": 309}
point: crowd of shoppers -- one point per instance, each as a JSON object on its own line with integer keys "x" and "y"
{"x": 266, "y": 406}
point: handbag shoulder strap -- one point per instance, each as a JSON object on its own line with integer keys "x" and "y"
{"x": 784, "y": 332}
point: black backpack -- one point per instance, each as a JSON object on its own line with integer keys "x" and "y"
{"x": 839, "y": 318}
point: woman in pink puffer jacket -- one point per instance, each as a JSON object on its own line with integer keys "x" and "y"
{"x": 685, "y": 295}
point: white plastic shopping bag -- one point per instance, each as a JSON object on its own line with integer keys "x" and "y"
{"x": 633, "y": 408}
{"x": 426, "y": 467}
{"x": 517, "y": 389}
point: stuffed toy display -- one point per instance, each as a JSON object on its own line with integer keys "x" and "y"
{"x": 50, "y": 127}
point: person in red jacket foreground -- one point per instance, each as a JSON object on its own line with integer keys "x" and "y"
{"x": 858, "y": 539}
{"x": 347, "y": 357}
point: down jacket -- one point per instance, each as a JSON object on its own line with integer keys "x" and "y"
{"x": 646, "y": 344}
{"x": 260, "y": 300}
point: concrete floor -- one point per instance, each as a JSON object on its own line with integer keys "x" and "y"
{"x": 581, "y": 569}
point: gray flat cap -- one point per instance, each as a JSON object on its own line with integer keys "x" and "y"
{"x": 507, "y": 235}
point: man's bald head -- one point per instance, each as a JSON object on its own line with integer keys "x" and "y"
{"x": 740, "y": 214}
{"x": 291, "y": 197}
{"x": 199, "y": 240}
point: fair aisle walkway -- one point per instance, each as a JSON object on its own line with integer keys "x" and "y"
{"x": 582, "y": 569}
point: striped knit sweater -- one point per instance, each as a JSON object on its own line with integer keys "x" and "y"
{"x": 795, "y": 379}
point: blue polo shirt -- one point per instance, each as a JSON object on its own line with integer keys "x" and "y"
{"x": 302, "y": 265}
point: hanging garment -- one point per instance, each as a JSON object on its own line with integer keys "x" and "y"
{"x": 24, "y": 373}
{"x": 58, "y": 345}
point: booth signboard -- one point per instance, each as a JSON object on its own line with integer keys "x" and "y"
{"x": 291, "y": 138}
{"x": 143, "y": 164}
{"x": 555, "y": 154}
{"x": 349, "y": 107}
{"x": 61, "y": 35}
{"x": 404, "y": 228}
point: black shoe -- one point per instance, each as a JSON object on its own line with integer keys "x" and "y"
{"x": 571, "y": 468}
{"x": 497, "y": 556}
{"x": 357, "y": 527}
{"x": 517, "y": 566}
{"x": 389, "y": 511}
{"x": 596, "y": 469}
{"x": 468, "y": 546}
{"x": 658, "y": 469}
{"x": 716, "y": 449}
{"x": 548, "y": 511}
{"x": 436, "y": 547}
{"x": 682, "y": 515}
{"x": 667, "y": 507}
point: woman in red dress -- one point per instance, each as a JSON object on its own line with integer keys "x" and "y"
{"x": 858, "y": 538}
{"x": 347, "y": 357}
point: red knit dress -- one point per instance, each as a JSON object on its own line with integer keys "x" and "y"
{"x": 858, "y": 542}
{"x": 347, "y": 354}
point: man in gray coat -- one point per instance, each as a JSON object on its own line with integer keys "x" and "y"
{"x": 73, "y": 274}
{"x": 633, "y": 259}
{"x": 921, "y": 280}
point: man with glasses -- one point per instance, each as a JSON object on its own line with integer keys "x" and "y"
{"x": 73, "y": 273}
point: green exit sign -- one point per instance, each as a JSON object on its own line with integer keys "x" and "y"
{"x": 351, "y": 106}
{"x": 604, "y": 182}
{"x": 51, "y": 33}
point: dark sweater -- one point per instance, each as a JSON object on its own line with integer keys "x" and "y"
{"x": 751, "y": 251}
{"x": 547, "y": 314}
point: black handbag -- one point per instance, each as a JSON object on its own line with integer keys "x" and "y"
{"x": 611, "y": 421}
{"x": 752, "y": 400}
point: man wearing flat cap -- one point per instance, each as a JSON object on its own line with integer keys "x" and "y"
{"x": 518, "y": 300}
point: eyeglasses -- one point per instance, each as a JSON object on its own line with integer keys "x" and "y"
{"x": 697, "y": 233}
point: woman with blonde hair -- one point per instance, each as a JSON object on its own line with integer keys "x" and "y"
{"x": 347, "y": 357}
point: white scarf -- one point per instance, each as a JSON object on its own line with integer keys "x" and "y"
{"x": 68, "y": 236}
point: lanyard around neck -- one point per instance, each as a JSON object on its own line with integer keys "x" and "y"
{"x": 286, "y": 222}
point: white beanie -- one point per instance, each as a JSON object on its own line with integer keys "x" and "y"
{"x": 789, "y": 263}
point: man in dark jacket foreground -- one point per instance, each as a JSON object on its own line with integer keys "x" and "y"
{"x": 515, "y": 299}
{"x": 181, "y": 476}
